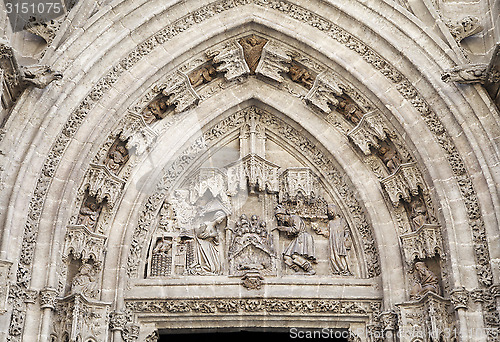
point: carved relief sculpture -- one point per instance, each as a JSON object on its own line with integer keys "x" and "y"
{"x": 161, "y": 258}
{"x": 349, "y": 109}
{"x": 389, "y": 157}
{"x": 338, "y": 235}
{"x": 155, "y": 110}
{"x": 300, "y": 75}
{"x": 206, "y": 253}
{"x": 299, "y": 255}
{"x": 203, "y": 75}
{"x": 85, "y": 281}
{"x": 252, "y": 50}
{"x": 117, "y": 156}
{"x": 425, "y": 281}
{"x": 418, "y": 213}
{"x": 89, "y": 213}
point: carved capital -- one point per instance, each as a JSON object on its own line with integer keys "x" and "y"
{"x": 48, "y": 298}
{"x": 231, "y": 58}
{"x": 389, "y": 320}
{"x": 102, "y": 184}
{"x": 459, "y": 298}
{"x": 403, "y": 183}
{"x": 423, "y": 243}
{"x": 323, "y": 92}
{"x": 273, "y": 62}
{"x": 137, "y": 133}
{"x": 117, "y": 320}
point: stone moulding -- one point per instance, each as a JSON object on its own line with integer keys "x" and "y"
{"x": 137, "y": 133}
{"x": 24, "y": 270}
{"x": 83, "y": 244}
{"x": 102, "y": 184}
{"x": 423, "y": 243}
{"x": 403, "y": 183}
{"x": 369, "y": 131}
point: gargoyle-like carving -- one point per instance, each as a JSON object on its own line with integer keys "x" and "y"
{"x": 136, "y": 133}
{"x": 46, "y": 30}
{"x": 370, "y": 130}
{"x": 299, "y": 255}
{"x": 102, "y": 184}
{"x": 324, "y": 92}
{"x": 403, "y": 183}
{"x": 231, "y": 59}
{"x": 464, "y": 28}
{"x": 252, "y": 49}
{"x": 426, "y": 242}
{"x": 39, "y": 76}
{"x": 468, "y": 73}
{"x": 273, "y": 62}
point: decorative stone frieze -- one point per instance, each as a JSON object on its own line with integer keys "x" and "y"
{"x": 427, "y": 317}
{"x": 323, "y": 92}
{"x": 403, "y": 183}
{"x": 370, "y": 129}
{"x": 273, "y": 62}
{"x": 231, "y": 59}
{"x": 83, "y": 244}
{"x": 426, "y": 242}
{"x": 102, "y": 184}
{"x": 138, "y": 135}
{"x": 80, "y": 319}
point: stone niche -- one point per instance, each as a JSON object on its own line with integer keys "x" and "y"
{"x": 252, "y": 209}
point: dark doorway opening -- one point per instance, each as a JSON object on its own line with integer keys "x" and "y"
{"x": 259, "y": 335}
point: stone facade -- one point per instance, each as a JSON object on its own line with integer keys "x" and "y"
{"x": 275, "y": 164}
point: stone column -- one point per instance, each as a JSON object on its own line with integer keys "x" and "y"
{"x": 48, "y": 301}
{"x": 389, "y": 325}
{"x": 117, "y": 323}
{"x": 460, "y": 300}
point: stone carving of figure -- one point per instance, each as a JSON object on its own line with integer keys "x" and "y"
{"x": 202, "y": 75}
{"x": 252, "y": 49}
{"x": 337, "y": 234}
{"x": 155, "y": 110}
{"x": 350, "y": 111}
{"x": 118, "y": 156}
{"x": 426, "y": 281}
{"x": 300, "y": 252}
{"x": 39, "y": 76}
{"x": 206, "y": 254}
{"x": 84, "y": 281}
{"x": 301, "y": 75}
{"x": 418, "y": 213}
{"x": 389, "y": 157}
{"x": 161, "y": 259}
{"x": 89, "y": 213}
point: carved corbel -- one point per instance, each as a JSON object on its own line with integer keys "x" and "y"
{"x": 403, "y": 183}
{"x": 179, "y": 92}
{"x": 273, "y": 62}
{"x": 464, "y": 28}
{"x": 323, "y": 93}
{"x": 427, "y": 318}
{"x": 368, "y": 132}
{"x": 231, "y": 60}
{"x": 424, "y": 243}
{"x": 102, "y": 184}
{"x": 137, "y": 133}
{"x": 81, "y": 319}
{"x": 84, "y": 244}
